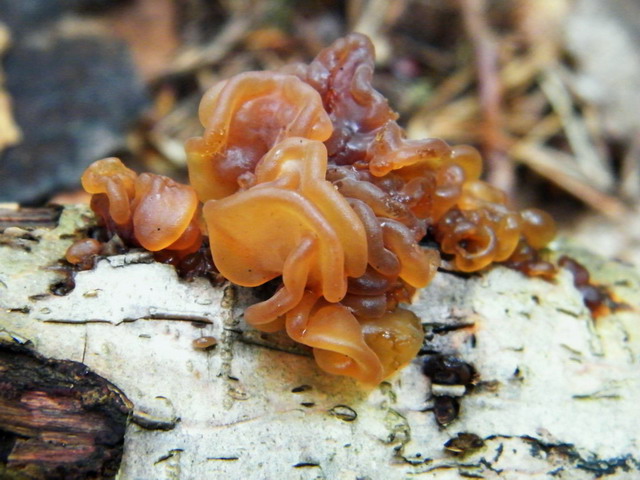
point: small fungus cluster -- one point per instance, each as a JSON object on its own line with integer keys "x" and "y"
{"x": 305, "y": 176}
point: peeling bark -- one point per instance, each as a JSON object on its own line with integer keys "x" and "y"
{"x": 58, "y": 420}
{"x": 554, "y": 393}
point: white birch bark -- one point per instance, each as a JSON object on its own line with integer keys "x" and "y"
{"x": 557, "y": 396}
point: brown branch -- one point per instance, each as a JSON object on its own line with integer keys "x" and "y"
{"x": 500, "y": 170}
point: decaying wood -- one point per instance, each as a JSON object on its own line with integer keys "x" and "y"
{"x": 554, "y": 393}
{"x": 58, "y": 419}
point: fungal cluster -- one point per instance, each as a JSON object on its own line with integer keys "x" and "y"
{"x": 304, "y": 176}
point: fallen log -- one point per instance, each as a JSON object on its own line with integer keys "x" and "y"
{"x": 515, "y": 379}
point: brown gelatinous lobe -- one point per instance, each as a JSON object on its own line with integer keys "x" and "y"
{"x": 423, "y": 179}
{"x": 527, "y": 260}
{"x": 111, "y": 178}
{"x": 146, "y": 210}
{"x": 299, "y": 227}
{"x": 308, "y": 181}
{"x": 596, "y": 298}
{"x": 192, "y": 265}
{"x": 83, "y": 252}
{"x": 243, "y": 118}
{"x": 342, "y": 75}
{"x": 204, "y": 343}
{"x": 163, "y": 213}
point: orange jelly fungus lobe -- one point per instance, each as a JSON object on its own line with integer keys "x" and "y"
{"x": 163, "y": 211}
{"x": 147, "y": 210}
{"x": 297, "y": 226}
{"x": 110, "y": 177}
{"x": 243, "y": 118}
{"x": 83, "y": 252}
{"x": 305, "y": 178}
{"x": 204, "y": 343}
